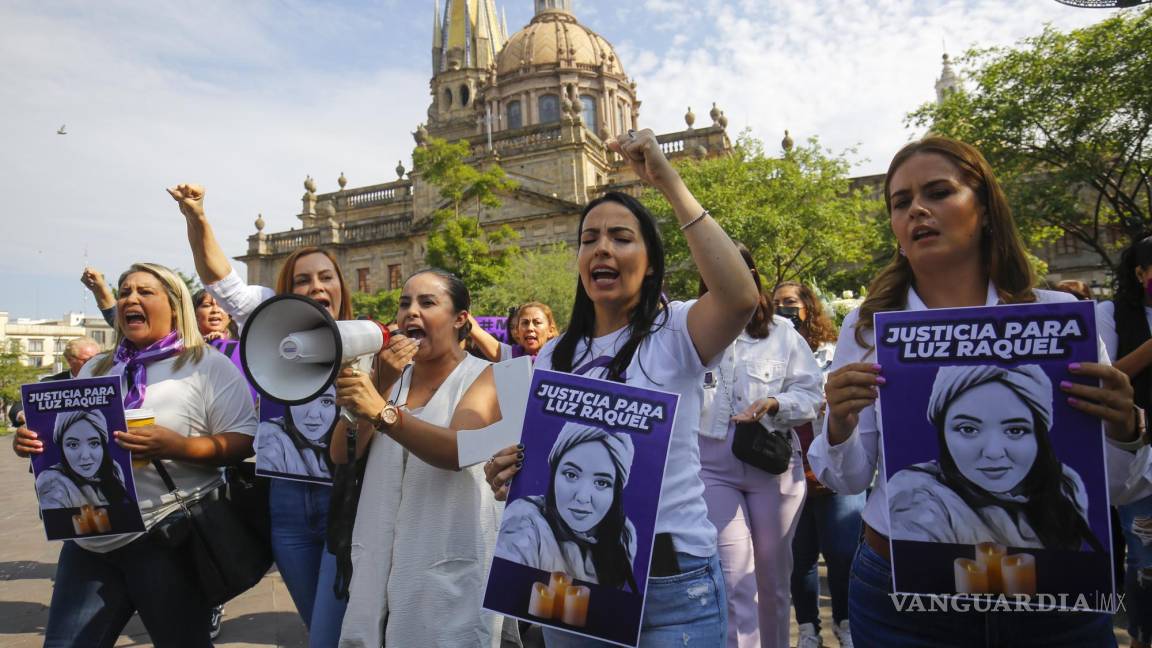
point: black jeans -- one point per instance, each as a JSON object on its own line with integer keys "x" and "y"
{"x": 95, "y": 595}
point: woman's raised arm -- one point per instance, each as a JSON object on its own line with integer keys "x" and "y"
{"x": 719, "y": 316}
{"x": 211, "y": 263}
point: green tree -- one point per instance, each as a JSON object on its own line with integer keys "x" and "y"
{"x": 547, "y": 275}
{"x": 798, "y": 214}
{"x": 1064, "y": 119}
{"x": 381, "y": 305}
{"x": 458, "y": 242}
{"x": 13, "y": 373}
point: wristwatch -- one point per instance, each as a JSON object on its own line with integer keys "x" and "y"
{"x": 388, "y": 418}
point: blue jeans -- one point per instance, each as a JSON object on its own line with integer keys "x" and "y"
{"x": 688, "y": 609}
{"x": 1138, "y": 595}
{"x": 95, "y": 595}
{"x": 875, "y": 621}
{"x": 299, "y": 514}
{"x": 830, "y": 525}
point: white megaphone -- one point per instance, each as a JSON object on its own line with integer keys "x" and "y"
{"x": 291, "y": 348}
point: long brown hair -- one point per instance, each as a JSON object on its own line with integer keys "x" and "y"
{"x": 288, "y": 271}
{"x": 761, "y": 323}
{"x": 1001, "y": 249}
{"x": 818, "y": 327}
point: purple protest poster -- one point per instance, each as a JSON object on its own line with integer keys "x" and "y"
{"x": 497, "y": 327}
{"x": 231, "y": 348}
{"x": 996, "y": 486}
{"x": 575, "y": 542}
{"x": 83, "y": 478}
{"x": 292, "y": 440}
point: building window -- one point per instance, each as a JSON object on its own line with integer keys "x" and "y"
{"x": 99, "y": 337}
{"x": 465, "y": 95}
{"x": 362, "y": 279}
{"x": 447, "y": 97}
{"x": 588, "y": 112}
{"x": 36, "y": 346}
{"x": 515, "y": 119}
{"x": 549, "y": 108}
{"x": 621, "y": 123}
{"x": 394, "y": 276}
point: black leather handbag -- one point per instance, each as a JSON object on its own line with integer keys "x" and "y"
{"x": 768, "y": 450}
{"x": 228, "y": 554}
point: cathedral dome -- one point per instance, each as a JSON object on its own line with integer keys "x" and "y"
{"x": 555, "y": 39}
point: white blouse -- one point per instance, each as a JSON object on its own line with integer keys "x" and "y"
{"x": 849, "y": 466}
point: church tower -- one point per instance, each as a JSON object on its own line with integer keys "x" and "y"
{"x": 465, "y": 41}
{"x": 948, "y": 81}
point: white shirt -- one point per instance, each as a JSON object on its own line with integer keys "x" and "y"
{"x": 780, "y": 366}
{"x": 666, "y": 361}
{"x": 1106, "y": 325}
{"x": 848, "y": 467}
{"x": 201, "y": 399}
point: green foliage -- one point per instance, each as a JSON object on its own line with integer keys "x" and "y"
{"x": 1065, "y": 120}
{"x": 13, "y": 374}
{"x": 798, "y": 215}
{"x": 547, "y": 275}
{"x": 381, "y": 305}
{"x": 191, "y": 281}
{"x": 458, "y": 243}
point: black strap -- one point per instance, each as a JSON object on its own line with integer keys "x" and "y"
{"x": 171, "y": 485}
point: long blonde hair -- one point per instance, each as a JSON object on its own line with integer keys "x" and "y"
{"x": 1001, "y": 249}
{"x": 180, "y": 300}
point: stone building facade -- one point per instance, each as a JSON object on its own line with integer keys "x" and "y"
{"x": 542, "y": 103}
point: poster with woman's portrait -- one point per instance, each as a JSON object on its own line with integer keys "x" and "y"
{"x": 575, "y": 543}
{"x": 292, "y": 440}
{"x": 83, "y": 478}
{"x": 996, "y": 485}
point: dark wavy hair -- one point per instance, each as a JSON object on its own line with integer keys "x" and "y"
{"x": 198, "y": 298}
{"x": 610, "y": 551}
{"x": 643, "y": 318}
{"x": 304, "y": 444}
{"x": 1049, "y": 508}
{"x": 818, "y": 327}
{"x": 1127, "y": 289}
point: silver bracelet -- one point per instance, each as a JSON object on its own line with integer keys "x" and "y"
{"x": 695, "y": 220}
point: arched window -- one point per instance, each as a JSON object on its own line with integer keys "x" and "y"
{"x": 588, "y": 112}
{"x": 515, "y": 118}
{"x": 548, "y": 106}
{"x": 621, "y": 119}
{"x": 464, "y": 95}
{"x": 447, "y": 97}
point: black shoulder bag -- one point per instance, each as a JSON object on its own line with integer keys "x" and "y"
{"x": 228, "y": 555}
{"x": 757, "y": 446}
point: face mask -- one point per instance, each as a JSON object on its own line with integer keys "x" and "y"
{"x": 791, "y": 313}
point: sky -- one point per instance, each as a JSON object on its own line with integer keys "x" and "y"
{"x": 248, "y": 98}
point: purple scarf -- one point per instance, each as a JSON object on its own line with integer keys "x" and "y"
{"x": 132, "y": 364}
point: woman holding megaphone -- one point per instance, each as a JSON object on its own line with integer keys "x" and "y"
{"x": 299, "y": 510}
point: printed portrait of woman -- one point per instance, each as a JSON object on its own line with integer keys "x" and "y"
{"x": 86, "y": 473}
{"x": 997, "y": 478}
{"x": 296, "y": 444}
{"x": 578, "y": 526}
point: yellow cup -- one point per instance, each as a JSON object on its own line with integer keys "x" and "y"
{"x": 139, "y": 418}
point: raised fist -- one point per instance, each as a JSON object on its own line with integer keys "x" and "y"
{"x": 191, "y": 199}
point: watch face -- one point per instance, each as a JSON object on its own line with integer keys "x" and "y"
{"x": 390, "y": 415}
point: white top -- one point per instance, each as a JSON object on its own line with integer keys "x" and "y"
{"x": 780, "y": 366}
{"x": 666, "y": 361}
{"x": 237, "y": 298}
{"x": 848, "y": 468}
{"x": 1106, "y": 325}
{"x": 201, "y": 399}
{"x": 824, "y": 355}
{"x": 423, "y": 542}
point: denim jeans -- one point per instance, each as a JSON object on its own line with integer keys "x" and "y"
{"x": 95, "y": 595}
{"x": 299, "y": 514}
{"x": 830, "y": 525}
{"x": 687, "y": 609}
{"x": 1138, "y": 595}
{"x": 875, "y": 621}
